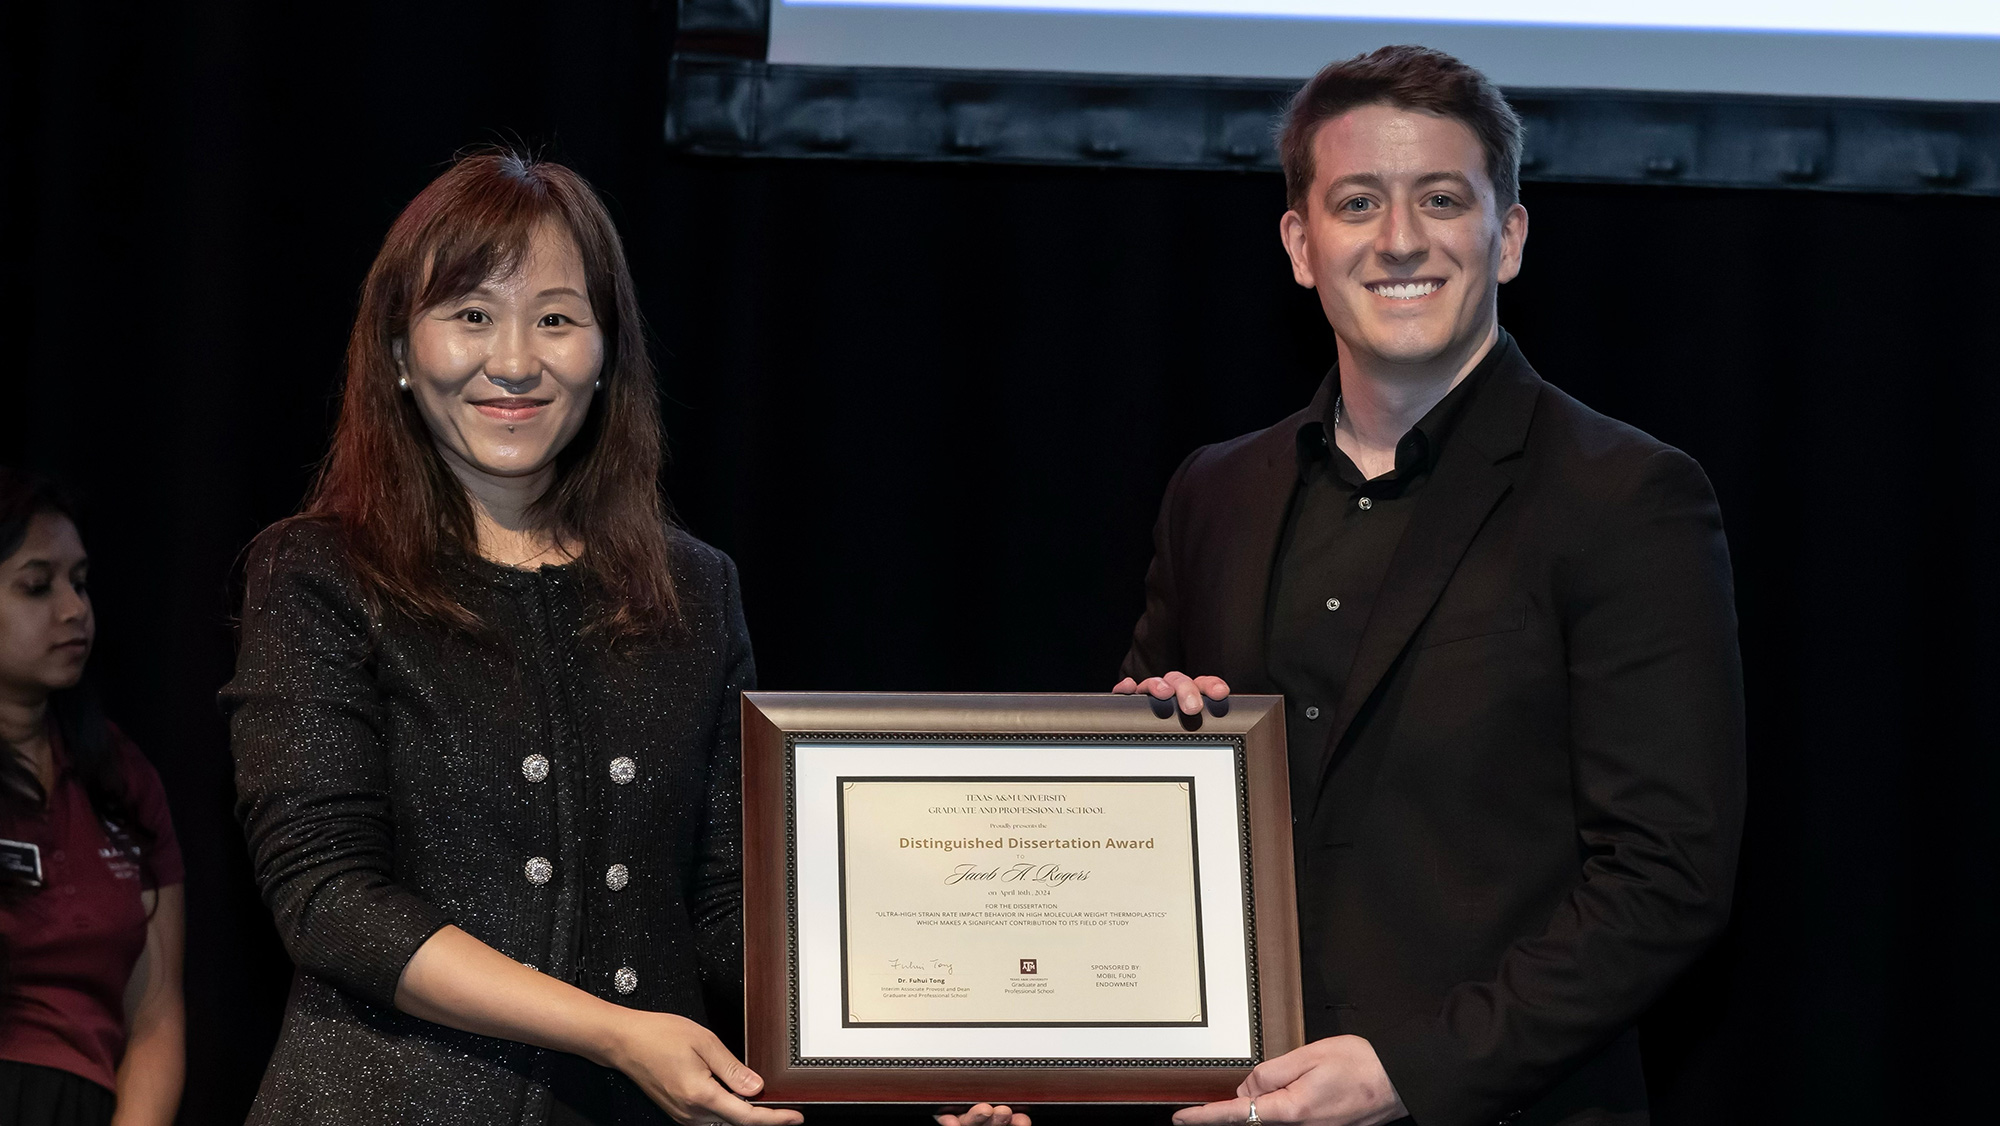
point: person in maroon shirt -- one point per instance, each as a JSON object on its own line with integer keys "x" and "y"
{"x": 91, "y": 1023}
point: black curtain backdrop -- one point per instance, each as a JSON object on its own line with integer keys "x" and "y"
{"x": 930, "y": 410}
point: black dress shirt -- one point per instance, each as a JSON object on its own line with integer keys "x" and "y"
{"x": 1341, "y": 529}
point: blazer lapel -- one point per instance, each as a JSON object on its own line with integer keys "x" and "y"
{"x": 1464, "y": 489}
{"x": 1255, "y": 526}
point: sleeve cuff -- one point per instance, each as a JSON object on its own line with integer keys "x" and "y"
{"x": 1417, "y": 1057}
{"x": 370, "y": 960}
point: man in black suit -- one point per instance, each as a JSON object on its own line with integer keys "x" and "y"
{"x": 1504, "y": 628}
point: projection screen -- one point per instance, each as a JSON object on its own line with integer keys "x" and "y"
{"x": 1935, "y": 50}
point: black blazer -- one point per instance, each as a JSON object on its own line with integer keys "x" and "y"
{"x": 393, "y": 777}
{"x": 1532, "y": 794}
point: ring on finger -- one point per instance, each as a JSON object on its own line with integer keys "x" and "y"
{"x": 1253, "y": 1120}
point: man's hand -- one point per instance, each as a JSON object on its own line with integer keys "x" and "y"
{"x": 985, "y": 1114}
{"x": 1332, "y": 1082}
{"x": 1190, "y": 689}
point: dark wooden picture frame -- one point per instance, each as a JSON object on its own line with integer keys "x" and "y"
{"x": 773, "y": 722}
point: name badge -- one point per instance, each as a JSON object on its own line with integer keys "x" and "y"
{"x": 19, "y": 858}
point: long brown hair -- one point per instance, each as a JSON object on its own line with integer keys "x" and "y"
{"x": 385, "y": 485}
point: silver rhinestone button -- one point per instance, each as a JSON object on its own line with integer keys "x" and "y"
{"x": 625, "y": 980}
{"x": 623, "y": 770}
{"x": 616, "y": 877}
{"x": 1365, "y": 503}
{"x": 1333, "y": 603}
{"x": 539, "y": 870}
{"x": 534, "y": 768}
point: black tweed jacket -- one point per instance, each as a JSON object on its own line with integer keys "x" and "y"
{"x": 574, "y": 808}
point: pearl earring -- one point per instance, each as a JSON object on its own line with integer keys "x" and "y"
{"x": 404, "y": 383}
{"x": 597, "y": 385}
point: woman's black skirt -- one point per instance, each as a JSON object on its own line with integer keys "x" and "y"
{"x": 31, "y": 1095}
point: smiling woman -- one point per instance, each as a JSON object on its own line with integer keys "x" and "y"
{"x": 504, "y": 377}
{"x": 484, "y": 712}
{"x": 499, "y": 396}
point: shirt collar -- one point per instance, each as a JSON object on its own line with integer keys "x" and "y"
{"x": 1417, "y": 451}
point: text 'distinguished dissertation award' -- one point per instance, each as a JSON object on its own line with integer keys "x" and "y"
{"x": 1020, "y": 901}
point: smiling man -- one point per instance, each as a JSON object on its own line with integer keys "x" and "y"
{"x": 1504, "y": 629}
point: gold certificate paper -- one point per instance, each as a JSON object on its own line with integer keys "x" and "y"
{"x": 982, "y": 902}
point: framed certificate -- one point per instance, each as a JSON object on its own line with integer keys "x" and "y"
{"x": 1037, "y": 898}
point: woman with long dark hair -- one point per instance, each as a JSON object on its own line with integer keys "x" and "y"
{"x": 91, "y": 1018}
{"x": 484, "y": 712}
{"x": 485, "y": 707}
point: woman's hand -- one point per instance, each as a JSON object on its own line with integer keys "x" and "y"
{"x": 684, "y": 1068}
{"x": 459, "y": 981}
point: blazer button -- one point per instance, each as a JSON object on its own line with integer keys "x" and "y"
{"x": 1312, "y": 713}
{"x": 539, "y": 870}
{"x": 625, "y": 980}
{"x": 616, "y": 877}
{"x": 534, "y": 768}
{"x": 623, "y": 770}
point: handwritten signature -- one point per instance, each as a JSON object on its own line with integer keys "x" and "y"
{"x": 920, "y": 964}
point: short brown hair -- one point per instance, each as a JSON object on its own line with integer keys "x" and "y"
{"x": 1406, "y": 77}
